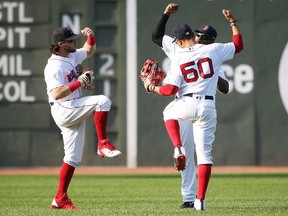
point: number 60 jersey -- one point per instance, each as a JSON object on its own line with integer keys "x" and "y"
{"x": 196, "y": 69}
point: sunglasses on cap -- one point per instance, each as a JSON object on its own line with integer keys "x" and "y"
{"x": 67, "y": 41}
{"x": 198, "y": 34}
{"x": 203, "y": 36}
{"x": 70, "y": 41}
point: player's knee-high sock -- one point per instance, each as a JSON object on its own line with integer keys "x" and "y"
{"x": 204, "y": 173}
{"x": 66, "y": 173}
{"x": 100, "y": 121}
{"x": 172, "y": 127}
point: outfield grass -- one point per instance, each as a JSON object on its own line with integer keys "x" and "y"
{"x": 250, "y": 194}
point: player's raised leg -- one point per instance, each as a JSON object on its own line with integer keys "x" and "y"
{"x": 173, "y": 130}
{"x": 105, "y": 148}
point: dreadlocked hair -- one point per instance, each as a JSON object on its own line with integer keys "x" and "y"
{"x": 54, "y": 48}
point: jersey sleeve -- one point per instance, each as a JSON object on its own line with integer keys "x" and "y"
{"x": 174, "y": 76}
{"x": 81, "y": 55}
{"x": 54, "y": 77}
{"x": 225, "y": 51}
{"x": 222, "y": 74}
{"x": 168, "y": 47}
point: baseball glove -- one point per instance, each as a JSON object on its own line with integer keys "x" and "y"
{"x": 87, "y": 77}
{"x": 151, "y": 75}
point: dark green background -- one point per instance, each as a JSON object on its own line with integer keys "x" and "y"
{"x": 252, "y": 128}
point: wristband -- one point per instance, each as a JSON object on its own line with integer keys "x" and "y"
{"x": 233, "y": 23}
{"x": 91, "y": 41}
{"x": 151, "y": 88}
{"x": 73, "y": 86}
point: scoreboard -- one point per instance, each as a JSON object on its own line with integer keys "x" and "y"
{"x": 26, "y": 29}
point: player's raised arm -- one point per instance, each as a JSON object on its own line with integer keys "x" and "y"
{"x": 159, "y": 31}
{"x": 237, "y": 37}
{"x": 90, "y": 44}
{"x": 171, "y": 8}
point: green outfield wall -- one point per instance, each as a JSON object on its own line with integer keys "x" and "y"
{"x": 252, "y": 119}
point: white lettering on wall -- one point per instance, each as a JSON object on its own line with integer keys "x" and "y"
{"x": 10, "y": 6}
{"x": 72, "y": 21}
{"x": 107, "y": 70}
{"x": 12, "y": 9}
{"x": 241, "y": 79}
{"x": 22, "y": 17}
{"x": 12, "y": 65}
{"x": 10, "y": 34}
{"x": 283, "y": 77}
{"x": 13, "y": 91}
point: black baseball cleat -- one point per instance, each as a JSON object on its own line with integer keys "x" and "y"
{"x": 187, "y": 205}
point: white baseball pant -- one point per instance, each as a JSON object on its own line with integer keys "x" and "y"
{"x": 70, "y": 116}
{"x": 203, "y": 115}
{"x": 188, "y": 187}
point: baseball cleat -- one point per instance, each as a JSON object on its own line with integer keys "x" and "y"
{"x": 180, "y": 159}
{"x": 63, "y": 203}
{"x": 200, "y": 204}
{"x": 187, "y": 205}
{"x": 106, "y": 149}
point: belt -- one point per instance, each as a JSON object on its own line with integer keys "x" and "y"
{"x": 51, "y": 103}
{"x": 207, "y": 97}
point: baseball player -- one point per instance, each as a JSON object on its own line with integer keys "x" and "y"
{"x": 65, "y": 80}
{"x": 206, "y": 35}
{"x": 193, "y": 77}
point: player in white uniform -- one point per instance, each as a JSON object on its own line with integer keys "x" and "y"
{"x": 69, "y": 109}
{"x": 195, "y": 83}
{"x": 206, "y": 35}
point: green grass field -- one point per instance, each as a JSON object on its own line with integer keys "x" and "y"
{"x": 250, "y": 194}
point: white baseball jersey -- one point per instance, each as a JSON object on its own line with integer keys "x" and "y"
{"x": 61, "y": 71}
{"x": 171, "y": 49}
{"x": 196, "y": 69}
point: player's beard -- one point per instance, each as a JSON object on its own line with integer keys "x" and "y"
{"x": 69, "y": 49}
